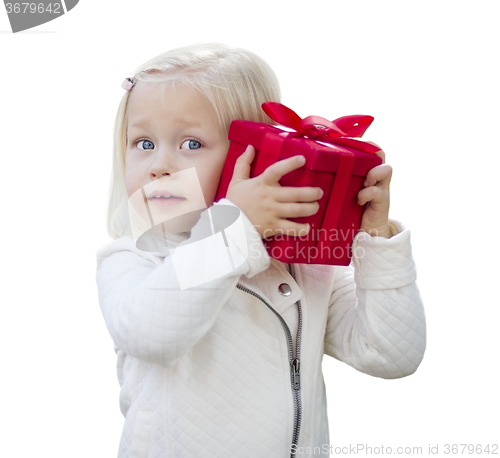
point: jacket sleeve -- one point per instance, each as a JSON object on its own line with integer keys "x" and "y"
{"x": 376, "y": 321}
{"x": 148, "y": 314}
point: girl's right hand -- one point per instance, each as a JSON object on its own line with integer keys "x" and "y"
{"x": 268, "y": 204}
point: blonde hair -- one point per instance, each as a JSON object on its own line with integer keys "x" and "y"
{"x": 235, "y": 81}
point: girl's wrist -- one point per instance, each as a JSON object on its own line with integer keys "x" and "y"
{"x": 385, "y": 231}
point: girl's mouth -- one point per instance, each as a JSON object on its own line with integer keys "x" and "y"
{"x": 164, "y": 201}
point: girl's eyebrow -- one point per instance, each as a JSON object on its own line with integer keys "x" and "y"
{"x": 188, "y": 121}
{"x": 139, "y": 123}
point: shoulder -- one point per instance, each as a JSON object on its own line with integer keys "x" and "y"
{"x": 319, "y": 275}
{"x": 124, "y": 244}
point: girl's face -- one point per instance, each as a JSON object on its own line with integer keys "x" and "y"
{"x": 175, "y": 147}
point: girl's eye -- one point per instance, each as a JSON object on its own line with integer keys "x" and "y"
{"x": 145, "y": 144}
{"x": 191, "y": 144}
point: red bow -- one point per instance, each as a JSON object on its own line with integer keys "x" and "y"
{"x": 338, "y": 131}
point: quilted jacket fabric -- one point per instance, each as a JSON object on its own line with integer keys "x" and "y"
{"x": 205, "y": 371}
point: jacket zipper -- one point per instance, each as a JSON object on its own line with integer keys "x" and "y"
{"x": 293, "y": 355}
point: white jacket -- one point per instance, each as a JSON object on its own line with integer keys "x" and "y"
{"x": 205, "y": 371}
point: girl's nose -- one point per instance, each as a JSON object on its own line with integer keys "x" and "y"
{"x": 162, "y": 166}
{"x": 158, "y": 175}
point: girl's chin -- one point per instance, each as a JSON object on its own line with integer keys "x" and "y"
{"x": 182, "y": 223}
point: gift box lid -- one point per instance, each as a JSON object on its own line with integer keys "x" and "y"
{"x": 320, "y": 156}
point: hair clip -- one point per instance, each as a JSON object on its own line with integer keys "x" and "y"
{"x": 128, "y": 84}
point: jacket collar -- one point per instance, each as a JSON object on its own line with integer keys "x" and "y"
{"x": 267, "y": 283}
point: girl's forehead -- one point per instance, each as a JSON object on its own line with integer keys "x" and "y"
{"x": 145, "y": 95}
{"x": 180, "y": 103}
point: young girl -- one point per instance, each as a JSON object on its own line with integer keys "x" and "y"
{"x": 232, "y": 367}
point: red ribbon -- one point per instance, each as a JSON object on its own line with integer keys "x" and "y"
{"x": 339, "y": 131}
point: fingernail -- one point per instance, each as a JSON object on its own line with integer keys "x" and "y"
{"x": 301, "y": 159}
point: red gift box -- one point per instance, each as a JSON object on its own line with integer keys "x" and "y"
{"x": 335, "y": 162}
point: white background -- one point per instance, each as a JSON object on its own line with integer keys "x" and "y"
{"x": 427, "y": 71}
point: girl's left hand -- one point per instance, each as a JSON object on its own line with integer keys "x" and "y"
{"x": 376, "y": 194}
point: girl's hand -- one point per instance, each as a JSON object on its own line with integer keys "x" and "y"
{"x": 376, "y": 192}
{"x": 268, "y": 204}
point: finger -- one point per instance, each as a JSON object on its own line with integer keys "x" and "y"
{"x": 243, "y": 163}
{"x": 297, "y": 194}
{"x": 380, "y": 153}
{"x": 374, "y": 195}
{"x": 297, "y": 210}
{"x": 380, "y": 176}
{"x": 275, "y": 171}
